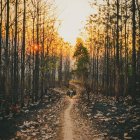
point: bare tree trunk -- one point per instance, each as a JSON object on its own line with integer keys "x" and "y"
{"x": 60, "y": 68}
{"x": 0, "y": 35}
{"x": 117, "y": 88}
{"x": 133, "y": 47}
{"x": 126, "y": 50}
{"x": 37, "y": 57}
{"x": 42, "y": 60}
{"x": 6, "y": 50}
{"x": 97, "y": 71}
{"x": 33, "y": 72}
{"x": 15, "y": 85}
{"x": 107, "y": 52}
{"x": 1, "y": 81}
{"x": 93, "y": 73}
{"x": 23, "y": 55}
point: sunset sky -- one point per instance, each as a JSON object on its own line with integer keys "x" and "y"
{"x": 73, "y": 14}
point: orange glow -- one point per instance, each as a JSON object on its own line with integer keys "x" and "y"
{"x": 33, "y": 49}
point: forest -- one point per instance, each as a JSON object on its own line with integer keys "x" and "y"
{"x": 30, "y": 51}
{"x": 40, "y": 71}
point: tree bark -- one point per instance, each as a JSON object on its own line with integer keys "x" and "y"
{"x": 133, "y": 48}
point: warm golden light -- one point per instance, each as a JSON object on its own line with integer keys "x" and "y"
{"x": 73, "y": 14}
{"x": 33, "y": 49}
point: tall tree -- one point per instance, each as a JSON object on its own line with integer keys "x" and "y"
{"x": 23, "y": 54}
{"x": 117, "y": 52}
{"x": 133, "y": 47}
{"x": 82, "y": 60}
{"x": 15, "y": 76}
{"x": 6, "y": 49}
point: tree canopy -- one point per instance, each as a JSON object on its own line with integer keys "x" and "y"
{"x": 82, "y": 59}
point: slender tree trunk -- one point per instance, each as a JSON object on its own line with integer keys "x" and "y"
{"x": 15, "y": 88}
{"x": 37, "y": 56}
{"x": 97, "y": 69}
{"x": 33, "y": 72}
{"x": 114, "y": 60}
{"x": 23, "y": 55}
{"x": 6, "y": 50}
{"x": 93, "y": 71}
{"x": 126, "y": 49}
{"x": 117, "y": 88}
{"x": 0, "y": 35}
{"x": 107, "y": 52}
{"x": 60, "y": 68}
{"x": 42, "y": 61}
{"x": 1, "y": 81}
{"x": 138, "y": 55}
{"x": 133, "y": 48}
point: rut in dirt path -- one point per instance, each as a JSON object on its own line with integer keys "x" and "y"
{"x": 68, "y": 124}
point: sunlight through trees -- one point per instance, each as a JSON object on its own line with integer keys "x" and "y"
{"x": 33, "y": 57}
{"x": 113, "y": 43}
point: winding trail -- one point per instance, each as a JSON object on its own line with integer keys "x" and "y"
{"x": 74, "y": 126}
{"x": 68, "y": 124}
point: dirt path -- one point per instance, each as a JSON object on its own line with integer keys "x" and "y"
{"x": 68, "y": 124}
{"x": 74, "y": 126}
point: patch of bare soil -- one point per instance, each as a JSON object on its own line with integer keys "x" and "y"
{"x": 68, "y": 123}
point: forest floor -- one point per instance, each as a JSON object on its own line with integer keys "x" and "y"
{"x": 113, "y": 119}
{"x": 40, "y": 122}
{"x": 101, "y": 118}
{"x": 60, "y": 117}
